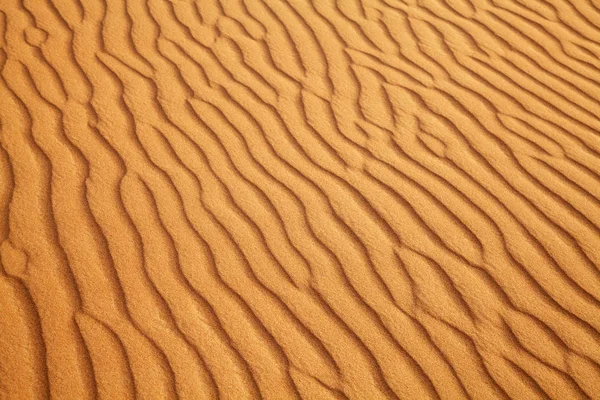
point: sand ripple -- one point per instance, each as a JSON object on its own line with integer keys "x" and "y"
{"x": 281, "y": 199}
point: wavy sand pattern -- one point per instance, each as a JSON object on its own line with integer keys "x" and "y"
{"x": 282, "y": 199}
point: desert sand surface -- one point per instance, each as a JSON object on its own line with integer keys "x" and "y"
{"x": 299, "y": 199}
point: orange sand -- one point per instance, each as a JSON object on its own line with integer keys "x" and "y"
{"x": 317, "y": 199}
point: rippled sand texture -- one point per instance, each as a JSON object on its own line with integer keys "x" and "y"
{"x": 318, "y": 199}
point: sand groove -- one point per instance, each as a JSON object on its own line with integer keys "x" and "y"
{"x": 362, "y": 199}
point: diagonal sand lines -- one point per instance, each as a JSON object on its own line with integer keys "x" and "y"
{"x": 362, "y": 199}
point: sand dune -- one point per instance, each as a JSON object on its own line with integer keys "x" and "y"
{"x": 317, "y": 199}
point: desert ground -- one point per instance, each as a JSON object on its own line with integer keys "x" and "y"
{"x": 299, "y": 199}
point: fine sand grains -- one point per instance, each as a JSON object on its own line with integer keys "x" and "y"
{"x": 285, "y": 199}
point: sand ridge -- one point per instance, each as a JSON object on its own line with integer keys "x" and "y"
{"x": 281, "y": 199}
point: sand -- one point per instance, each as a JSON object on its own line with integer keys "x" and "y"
{"x": 284, "y": 199}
